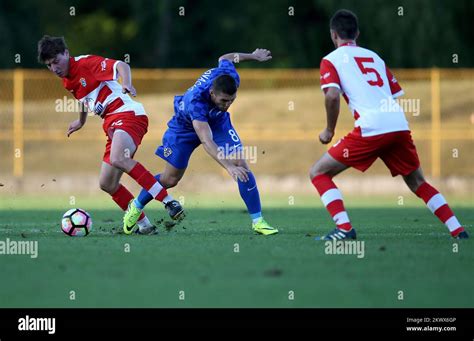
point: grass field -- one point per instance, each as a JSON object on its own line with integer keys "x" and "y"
{"x": 195, "y": 264}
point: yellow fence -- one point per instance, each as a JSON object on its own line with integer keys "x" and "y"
{"x": 23, "y": 92}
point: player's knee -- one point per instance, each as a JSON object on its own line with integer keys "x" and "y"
{"x": 314, "y": 171}
{"x": 417, "y": 183}
{"x": 414, "y": 181}
{"x": 117, "y": 162}
{"x": 171, "y": 181}
{"x": 411, "y": 185}
{"x": 106, "y": 186}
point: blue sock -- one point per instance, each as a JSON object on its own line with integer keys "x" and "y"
{"x": 144, "y": 197}
{"x": 249, "y": 193}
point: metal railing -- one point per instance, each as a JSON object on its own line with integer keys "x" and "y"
{"x": 18, "y": 134}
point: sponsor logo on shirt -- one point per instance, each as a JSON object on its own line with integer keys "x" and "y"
{"x": 99, "y": 108}
{"x": 83, "y": 82}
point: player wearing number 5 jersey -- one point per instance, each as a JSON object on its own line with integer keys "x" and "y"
{"x": 381, "y": 129}
{"x": 201, "y": 117}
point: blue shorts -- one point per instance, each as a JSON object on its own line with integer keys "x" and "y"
{"x": 178, "y": 145}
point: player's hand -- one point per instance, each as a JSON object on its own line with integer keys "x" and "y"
{"x": 262, "y": 55}
{"x": 326, "y": 136}
{"x": 74, "y": 126}
{"x": 238, "y": 173}
{"x": 128, "y": 88}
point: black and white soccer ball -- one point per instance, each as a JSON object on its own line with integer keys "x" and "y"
{"x": 76, "y": 223}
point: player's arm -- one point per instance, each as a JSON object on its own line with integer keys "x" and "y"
{"x": 124, "y": 71}
{"x": 332, "y": 104}
{"x": 79, "y": 123}
{"x": 260, "y": 55}
{"x": 204, "y": 132}
{"x": 331, "y": 85}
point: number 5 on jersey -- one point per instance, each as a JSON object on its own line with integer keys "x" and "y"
{"x": 366, "y": 70}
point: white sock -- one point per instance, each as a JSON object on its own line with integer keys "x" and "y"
{"x": 256, "y": 220}
{"x": 145, "y": 222}
{"x": 167, "y": 199}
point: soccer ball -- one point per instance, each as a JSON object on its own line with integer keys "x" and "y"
{"x": 76, "y": 223}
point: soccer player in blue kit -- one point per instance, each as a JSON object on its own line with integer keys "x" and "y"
{"x": 201, "y": 117}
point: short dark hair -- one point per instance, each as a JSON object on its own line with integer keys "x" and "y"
{"x": 224, "y": 84}
{"x": 345, "y": 23}
{"x": 49, "y": 47}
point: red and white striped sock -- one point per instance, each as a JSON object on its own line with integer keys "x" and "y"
{"x": 148, "y": 182}
{"x": 332, "y": 199}
{"x": 438, "y": 205}
{"x": 122, "y": 197}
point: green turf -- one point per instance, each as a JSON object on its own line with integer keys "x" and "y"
{"x": 406, "y": 249}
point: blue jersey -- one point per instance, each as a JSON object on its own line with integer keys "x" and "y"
{"x": 196, "y": 102}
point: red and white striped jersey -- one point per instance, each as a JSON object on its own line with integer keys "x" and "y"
{"x": 93, "y": 81}
{"x": 368, "y": 87}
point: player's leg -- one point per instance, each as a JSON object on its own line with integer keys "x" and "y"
{"x": 176, "y": 150}
{"x": 435, "y": 202}
{"x": 109, "y": 181}
{"x": 168, "y": 178}
{"x": 121, "y": 153}
{"x": 230, "y": 147}
{"x": 402, "y": 159}
{"x": 321, "y": 175}
{"x": 249, "y": 193}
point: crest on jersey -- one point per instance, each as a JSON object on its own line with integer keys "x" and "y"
{"x": 103, "y": 65}
{"x": 167, "y": 151}
{"x": 83, "y": 82}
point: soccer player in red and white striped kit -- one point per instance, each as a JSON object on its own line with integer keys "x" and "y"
{"x": 369, "y": 88}
{"x": 93, "y": 80}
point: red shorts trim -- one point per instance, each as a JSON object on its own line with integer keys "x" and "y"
{"x": 135, "y": 126}
{"x": 396, "y": 150}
